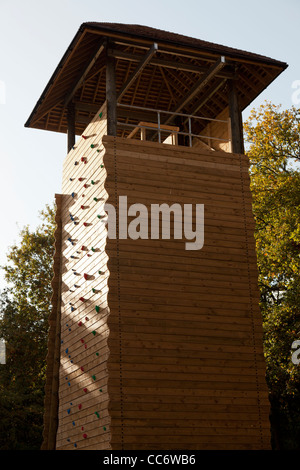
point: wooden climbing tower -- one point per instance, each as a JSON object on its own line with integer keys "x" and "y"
{"x": 151, "y": 345}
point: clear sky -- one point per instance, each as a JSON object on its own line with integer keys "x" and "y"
{"x": 34, "y": 35}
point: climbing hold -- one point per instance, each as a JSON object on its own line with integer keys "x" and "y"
{"x": 75, "y": 163}
{"x": 101, "y": 166}
{"x": 85, "y": 390}
{"x": 92, "y": 146}
{"x": 68, "y": 411}
{"x": 97, "y": 414}
{"x": 97, "y": 354}
{"x": 80, "y": 179}
{"x": 82, "y": 207}
{"x": 104, "y": 428}
{"x": 80, "y": 323}
{"x": 67, "y": 350}
{"x": 83, "y": 159}
{"x": 85, "y": 436}
{"x": 84, "y": 137}
{"x": 94, "y": 332}
{"x": 97, "y": 308}
{"x": 95, "y": 199}
{"x": 92, "y": 182}
{"x": 82, "y": 368}
{"x": 80, "y": 406}
{"x": 93, "y": 377}
{"x": 93, "y": 249}
{"x": 82, "y": 299}
{"x": 100, "y": 216}
{"x": 100, "y": 115}
{"x": 86, "y": 276}
{"x": 73, "y": 194}
{"x": 100, "y": 390}
{"x": 101, "y": 272}
{"x": 82, "y": 340}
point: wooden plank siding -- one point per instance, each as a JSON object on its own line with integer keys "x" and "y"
{"x": 173, "y": 356}
{"x": 186, "y": 367}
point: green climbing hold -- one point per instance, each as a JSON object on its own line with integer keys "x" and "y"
{"x": 97, "y": 354}
{"x": 92, "y": 146}
{"x": 94, "y": 332}
{"x": 104, "y": 428}
{"x": 93, "y": 377}
{"x": 97, "y": 308}
{"x": 95, "y": 199}
{"x": 100, "y": 390}
{"x": 100, "y": 115}
{"x": 102, "y": 166}
{"x": 97, "y": 414}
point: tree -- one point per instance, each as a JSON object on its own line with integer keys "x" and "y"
{"x": 25, "y": 307}
{"x": 272, "y": 138}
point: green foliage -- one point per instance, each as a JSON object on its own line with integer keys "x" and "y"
{"x": 273, "y": 138}
{"x": 25, "y": 307}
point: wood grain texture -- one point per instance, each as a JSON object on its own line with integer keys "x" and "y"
{"x": 185, "y": 336}
{"x": 164, "y": 351}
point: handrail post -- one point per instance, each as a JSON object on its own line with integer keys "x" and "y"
{"x": 190, "y": 131}
{"x": 158, "y": 126}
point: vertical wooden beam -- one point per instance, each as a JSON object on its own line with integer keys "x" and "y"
{"x": 111, "y": 96}
{"x": 71, "y": 125}
{"x": 237, "y": 140}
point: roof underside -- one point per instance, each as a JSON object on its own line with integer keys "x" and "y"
{"x": 163, "y": 81}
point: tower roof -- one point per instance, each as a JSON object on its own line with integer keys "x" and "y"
{"x": 164, "y": 66}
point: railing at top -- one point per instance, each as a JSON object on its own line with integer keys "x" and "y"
{"x": 172, "y": 131}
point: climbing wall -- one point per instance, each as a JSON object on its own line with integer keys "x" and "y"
{"x": 83, "y": 421}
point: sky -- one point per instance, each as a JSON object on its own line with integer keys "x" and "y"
{"x": 34, "y": 34}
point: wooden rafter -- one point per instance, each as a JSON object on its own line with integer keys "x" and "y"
{"x": 198, "y": 86}
{"x": 142, "y": 64}
{"x": 83, "y": 74}
{"x": 166, "y": 63}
